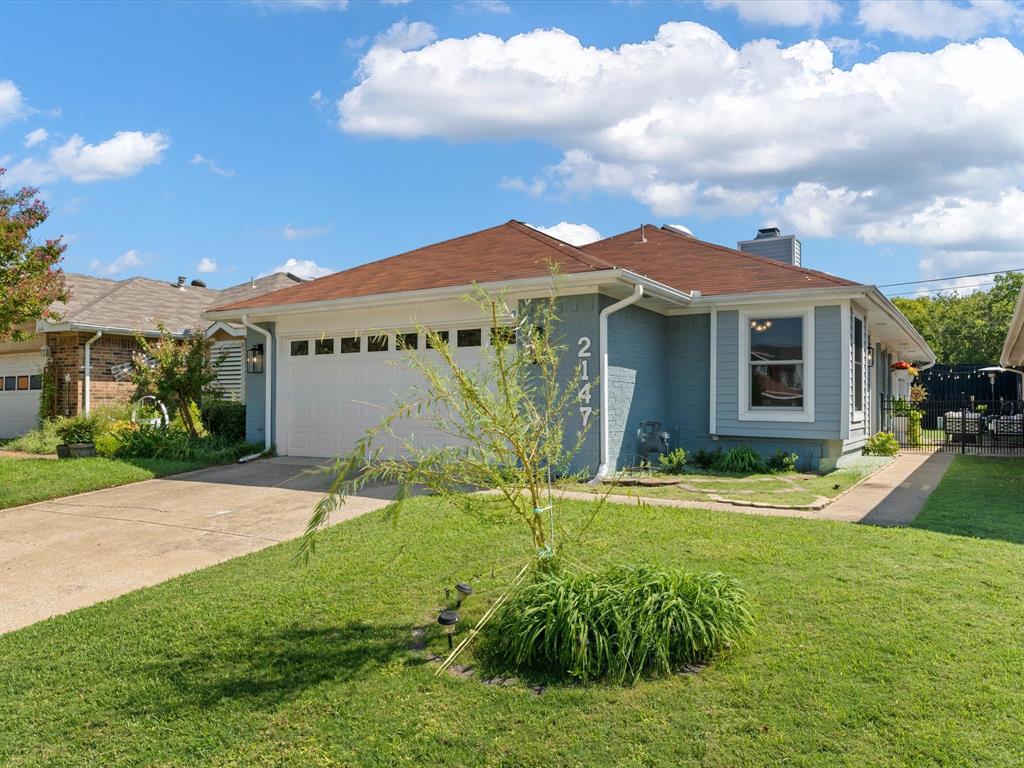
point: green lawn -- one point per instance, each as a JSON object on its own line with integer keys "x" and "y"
{"x": 874, "y": 647}
{"x": 23, "y": 481}
{"x": 979, "y": 496}
{"x": 784, "y": 489}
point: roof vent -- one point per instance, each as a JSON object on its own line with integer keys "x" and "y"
{"x": 772, "y": 244}
{"x": 181, "y": 282}
{"x": 198, "y": 283}
{"x": 679, "y": 229}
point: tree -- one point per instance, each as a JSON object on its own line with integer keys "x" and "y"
{"x": 30, "y": 280}
{"x": 505, "y": 423}
{"x": 176, "y": 372}
{"x": 965, "y": 328}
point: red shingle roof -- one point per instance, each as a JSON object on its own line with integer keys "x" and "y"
{"x": 506, "y": 252}
{"x": 513, "y": 250}
{"x": 688, "y": 264}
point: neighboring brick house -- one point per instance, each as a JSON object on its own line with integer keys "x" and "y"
{"x": 75, "y": 359}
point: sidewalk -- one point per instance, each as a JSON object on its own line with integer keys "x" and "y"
{"x": 892, "y": 496}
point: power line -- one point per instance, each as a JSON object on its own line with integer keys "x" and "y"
{"x": 956, "y": 277}
{"x": 934, "y": 290}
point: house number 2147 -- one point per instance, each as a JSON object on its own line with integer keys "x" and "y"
{"x": 584, "y": 368}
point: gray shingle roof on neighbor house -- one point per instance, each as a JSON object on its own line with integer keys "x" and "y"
{"x": 142, "y": 304}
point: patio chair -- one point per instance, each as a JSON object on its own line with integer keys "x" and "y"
{"x": 962, "y": 426}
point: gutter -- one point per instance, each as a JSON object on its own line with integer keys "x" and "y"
{"x": 88, "y": 368}
{"x": 268, "y": 368}
{"x": 638, "y": 292}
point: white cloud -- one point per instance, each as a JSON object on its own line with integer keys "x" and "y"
{"x": 127, "y": 153}
{"x": 403, "y": 36}
{"x": 317, "y": 100}
{"x": 127, "y": 260}
{"x": 355, "y": 43}
{"x": 533, "y": 188}
{"x": 38, "y": 136}
{"x": 298, "y": 233}
{"x": 788, "y": 13}
{"x": 574, "y": 234}
{"x": 483, "y": 6}
{"x": 687, "y": 123}
{"x": 12, "y": 104}
{"x": 928, "y": 19}
{"x": 395, "y": 2}
{"x": 211, "y": 166}
{"x": 307, "y": 269}
{"x": 286, "y": 6}
{"x": 206, "y": 265}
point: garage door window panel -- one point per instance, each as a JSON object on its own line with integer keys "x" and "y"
{"x": 350, "y": 345}
{"x": 441, "y": 338}
{"x": 324, "y": 347}
{"x": 468, "y": 337}
{"x": 407, "y": 341}
{"x": 300, "y": 348}
{"x": 377, "y": 343}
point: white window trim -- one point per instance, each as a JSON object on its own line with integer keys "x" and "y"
{"x": 857, "y": 417}
{"x": 746, "y": 413}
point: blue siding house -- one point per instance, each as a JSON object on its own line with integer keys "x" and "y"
{"x": 720, "y": 346}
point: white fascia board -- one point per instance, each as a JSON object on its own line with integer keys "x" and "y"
{"x": 815, "y": 296}
{"x": 524, "y": 287}
{"x": 43, "y": 326}
{"x": 231, "y": 330}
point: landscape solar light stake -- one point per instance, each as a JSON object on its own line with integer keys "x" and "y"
{"x": 471, "y": 636}
{"x": 462, "y": 591}
{"x": 447, "y": 620}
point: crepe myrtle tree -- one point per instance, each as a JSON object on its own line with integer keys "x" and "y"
{"x": 505, "y": 420}
{"x": 175, "y": 371}
{"x": 30, "y": 278}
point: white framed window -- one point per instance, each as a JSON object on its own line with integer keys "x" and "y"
{"x": 776, "y": 365}
{"x": 858, "y": 350}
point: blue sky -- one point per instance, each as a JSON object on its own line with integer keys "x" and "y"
{"x": 233, "y": 137}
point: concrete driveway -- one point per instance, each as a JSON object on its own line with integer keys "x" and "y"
{"x": 56, "y": 556}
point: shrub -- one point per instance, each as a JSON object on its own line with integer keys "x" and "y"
{"x": 107, "y": 445}
{"x": 225, "y": 418}
{"x": 78, "y": 429}
{"x": 148, "y": 442}
{"x": 673, "y": 462}
{"x": 783, "y": 461}
{"x": 881, "y": 444}
{"x": 706, "y": 459}
{"x": 617, "y": 625}
{"x": 741, "y": 460}
{"x": 179, "y": 421}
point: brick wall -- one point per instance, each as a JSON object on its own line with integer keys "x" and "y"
{"x": 67, "y": 351}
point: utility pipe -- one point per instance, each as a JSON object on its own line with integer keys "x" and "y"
{"x": 638, "y": 292}
{"x": 88, "y": 368}
{"x": 267, "y": 371}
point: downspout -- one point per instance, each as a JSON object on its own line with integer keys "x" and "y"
{"x": 268, "y": 368}
{"x": 88, "y": 368}
{"x": 638, "y": 292}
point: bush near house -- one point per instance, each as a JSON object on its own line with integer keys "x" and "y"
{"x": 673, "y": 462}
{"x": 224, "y": 419}
{"x": 741, "y": 460}
{"x": 881, "y": 444}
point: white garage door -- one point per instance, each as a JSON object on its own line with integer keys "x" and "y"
{"x": 20, "y": 384}
{"x": 335, "y": 388}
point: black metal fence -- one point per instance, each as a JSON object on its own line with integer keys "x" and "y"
{"x": 968, "y": 425}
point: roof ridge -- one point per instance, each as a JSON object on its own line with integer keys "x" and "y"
{"x": 575, "y": 251}
{"x": 753, "y": 256}
{"x": 114, "y": 286}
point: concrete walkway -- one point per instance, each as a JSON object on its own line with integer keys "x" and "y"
{"x": 892, "y": 496}
{"x": 59, "y": 555}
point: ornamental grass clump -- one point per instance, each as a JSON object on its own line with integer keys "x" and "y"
{"x": 617, "y": 625}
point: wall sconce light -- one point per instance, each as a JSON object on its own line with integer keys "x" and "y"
{"x": 254, "y": 359}
{"x": 871, "y": 357}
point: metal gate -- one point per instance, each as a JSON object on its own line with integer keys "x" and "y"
{"x": 984, "y": 427}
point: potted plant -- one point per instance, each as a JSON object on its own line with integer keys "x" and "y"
{"x": 903, "y": 373}
{"x": 906, "y": 423}
{"x": 79, "y": 435}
